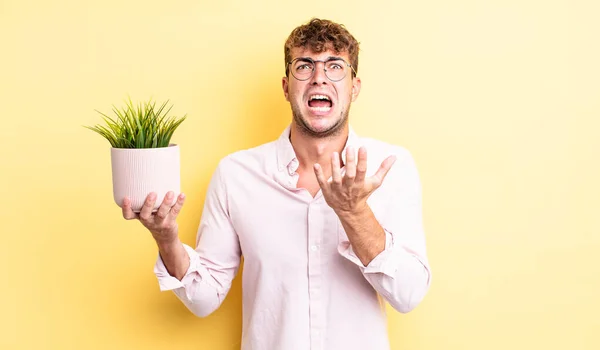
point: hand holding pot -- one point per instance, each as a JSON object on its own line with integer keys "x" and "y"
{"x": 162, "y": 223}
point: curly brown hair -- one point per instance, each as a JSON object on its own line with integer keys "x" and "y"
{"x": 320, "y": 35}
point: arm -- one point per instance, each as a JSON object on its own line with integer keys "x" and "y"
{"x": 401, "y": 272}
{"x": 386, "y": 243}
{"x": 200, "y": 278}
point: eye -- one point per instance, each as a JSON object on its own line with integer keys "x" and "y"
{"x": 335, "y": 65}
{"x": 304, "y": 66}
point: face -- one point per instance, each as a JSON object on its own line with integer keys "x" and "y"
{"x": 312, "y": 113}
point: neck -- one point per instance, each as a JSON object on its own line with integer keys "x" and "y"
{"x": 310, "y": 149}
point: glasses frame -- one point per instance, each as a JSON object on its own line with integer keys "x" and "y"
{"x": 314, "y": 63}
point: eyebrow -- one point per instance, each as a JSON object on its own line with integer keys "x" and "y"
{"x": 330, "y": 58}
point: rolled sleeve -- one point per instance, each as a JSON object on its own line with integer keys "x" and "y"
{"x": 167, "y": 282}
{"x": 382, "y": 263}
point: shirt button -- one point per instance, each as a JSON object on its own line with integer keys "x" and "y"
{"x": 314, "y": 248}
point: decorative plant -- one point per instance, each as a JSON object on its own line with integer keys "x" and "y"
{"x": 141, "y": 126}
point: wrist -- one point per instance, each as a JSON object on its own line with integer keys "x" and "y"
{"x": 168, "y": 244}
{"x": 356, "y": 213}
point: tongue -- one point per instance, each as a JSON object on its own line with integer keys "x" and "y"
{"x": 319, "y": 103}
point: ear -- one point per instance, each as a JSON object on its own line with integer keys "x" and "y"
{"x": 355, "y": 88}
{"x": 284, "y": 85}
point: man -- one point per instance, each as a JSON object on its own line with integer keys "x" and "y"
{"x": 325, "y": 233}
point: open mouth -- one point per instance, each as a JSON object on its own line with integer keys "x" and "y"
{"x": 319, "y": 103}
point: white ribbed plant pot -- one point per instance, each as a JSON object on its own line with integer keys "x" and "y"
{"x": 138, "y": 171}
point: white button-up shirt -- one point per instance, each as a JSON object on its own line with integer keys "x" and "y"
{"x": 303, "y": 287}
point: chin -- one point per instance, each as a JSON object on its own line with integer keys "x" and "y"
{"x": 320, "y": 126}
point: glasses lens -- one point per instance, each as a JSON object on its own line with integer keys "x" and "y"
{"x": 302, "y": 69}
{"x": 336, "y": 69}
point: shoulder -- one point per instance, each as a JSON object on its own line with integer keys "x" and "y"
{"x": 252, "y": 158}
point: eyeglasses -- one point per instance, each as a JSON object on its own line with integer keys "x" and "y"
{"x": 336, "y": 68}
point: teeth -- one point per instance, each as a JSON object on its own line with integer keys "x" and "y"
{"x": 320, "y": 109}
{"x": 319, "y": 97}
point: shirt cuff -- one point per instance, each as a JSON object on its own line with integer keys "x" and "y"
{"x": 382, "y": 263}
{"x": 195, "y": 272}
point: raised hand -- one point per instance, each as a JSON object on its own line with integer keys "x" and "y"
{"x": 348, "y": 194}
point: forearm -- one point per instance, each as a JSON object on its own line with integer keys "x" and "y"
{"x": 364, "y": 232}
{"x": 174, "y": 257}
{"x": 390, "y": 250}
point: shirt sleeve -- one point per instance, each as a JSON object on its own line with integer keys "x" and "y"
{"x": 401, "y": 272}
{"x": 215, "y": 261}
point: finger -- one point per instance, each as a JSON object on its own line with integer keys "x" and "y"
{"x": 165, "y": 206}
{"x": 383, "y": 170}
{"x": 146, "y": 211}
{"x": 336, "y": 174}
{"x": 350, "y": 167}
{"x": 320, "y": 176}
{"x": 177, "y": 207}
{"x": 127, "y": 211}
{"x": 361, "y": 166}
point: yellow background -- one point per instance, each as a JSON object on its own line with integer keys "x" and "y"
{"x": 497, "y": 100}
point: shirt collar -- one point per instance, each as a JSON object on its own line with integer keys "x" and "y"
{"x": 286, "y": 157}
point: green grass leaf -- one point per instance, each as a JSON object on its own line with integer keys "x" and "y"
{"x": 139, "y": 126}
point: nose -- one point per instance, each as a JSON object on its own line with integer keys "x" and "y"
{"x": 319, "y": 76}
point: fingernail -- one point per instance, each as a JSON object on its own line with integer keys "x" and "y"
{"x": 169, "y": 195}
{"x": 182, "y": 196}
{"x": 152, "y": 195}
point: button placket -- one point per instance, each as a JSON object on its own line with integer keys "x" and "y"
{"x": 315, "y": 229}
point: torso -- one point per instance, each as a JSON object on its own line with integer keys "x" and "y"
{"x": 295, "y": 280}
